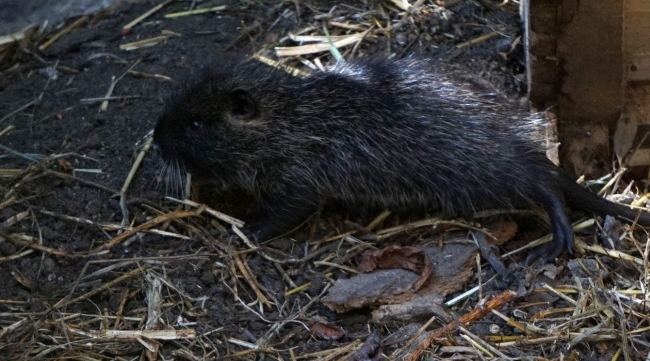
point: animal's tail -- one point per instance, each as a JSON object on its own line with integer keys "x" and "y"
{"x": 579, "y": 197}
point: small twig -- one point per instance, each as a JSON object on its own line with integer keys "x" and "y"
{"x": 250, "y": 279}
{"x": 114, "y": 82}
{"x": 195, "y": 12}
{"x": 466, "y": 294}
{"x": 129, "y": 178}
{"x": 128, "y": 27}
{"x": 154, "y": 301}
{"x": 478, "y": 313}
{"x": 155, "y": 76}
{"x": 95, "y": 100}
{"x": 143, "y": 43}
{"x": 81, "y": 180}
{"x": 247, "y": 30}
{"x": 477, "y": 40}
{"x": 79, "y": 23}
{"x": 488, "y": 254}
{"x": 28, "y": 157}
{"x": 7, "y": 130}
{"x": 103, "y": 287}
{"x": 484, "y": 344}
{"x": 146, "y": 225}
{"x": 404, "y": 19}
{"x": 36, "y": 246}
{"x": 216, "y": 214}
{"x": 264, "y": 255}
{"x": 560, "y": 294}
{"x": 19, "y": 109}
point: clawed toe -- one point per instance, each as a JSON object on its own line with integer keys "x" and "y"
{"x": 561, "y": 240}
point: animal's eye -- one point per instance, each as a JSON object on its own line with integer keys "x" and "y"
{"x": 196, "y": 125}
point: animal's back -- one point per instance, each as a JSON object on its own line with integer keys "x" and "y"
{"x": 400, "y": 134}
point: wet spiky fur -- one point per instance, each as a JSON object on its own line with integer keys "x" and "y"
{"x": 392, "y": 134}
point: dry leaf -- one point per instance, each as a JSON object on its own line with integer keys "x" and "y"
{"x": 326, "y": 332}
{"x": 271, "y": 38}
{"x": 502, "y": 232}
{"x": 550, "y": 271}
{"x": 65, "y": 165}
{"x": 410, "y": 258}
{"x": 625, "y": 133}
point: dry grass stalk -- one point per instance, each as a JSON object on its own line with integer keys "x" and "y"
{"x": 136, "y": 164}
{"x": 19, "y": 35}
{"x": 195, "y": 12}
{"x": 77, "y": 24}
{"x": 582, "y": 247}
{"x": 114, "y": 82}
{"x": 475, "y": 315}
{"x": 34, "y": 245}
{"x": 218, "y": 215}
{"x": 7, "y": 130}
{"x": 143, "y": 43}
{"x": 154, "y": 76}
{"x": 64, "y": 302}
{"x": 275, "y": 64}
{"x": 477, "y": 40}
{"x": 134, "y": 336}
{"x": 319, "y": 47}
{"x": 33, "y": 102}
{"x": 250, "y": 279}
{"x": 606, "y": 313}
{"x": 127, "y": 28}
{"x": 146, "y": 225}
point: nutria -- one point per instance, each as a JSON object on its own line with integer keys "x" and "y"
{"x": 388, "y": 133}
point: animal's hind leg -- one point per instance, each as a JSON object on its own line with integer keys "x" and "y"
{"x": 561, "y": 228}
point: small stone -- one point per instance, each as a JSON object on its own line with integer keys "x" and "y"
{"x": 401, "y": 39}
{"x": 48, "y": 265}
{"x": 48, "y": 233}
{"x": 7, "y": 249}
{"x": 207, "y": 277}
{"x": 6, "y": 214}
{"x": 59, "y": 226}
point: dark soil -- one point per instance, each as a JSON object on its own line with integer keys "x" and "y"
{"x": 101, "y": 146}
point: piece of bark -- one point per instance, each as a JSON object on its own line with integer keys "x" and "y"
{"x": 452, "y": 266}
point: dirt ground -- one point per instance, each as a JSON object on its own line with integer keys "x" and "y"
{"x": 65, "y": 133}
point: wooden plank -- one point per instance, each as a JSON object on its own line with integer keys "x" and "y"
{"x": 637, "y": 5}
{"x": 636, "y": 45}
{"x": 637, "y": 32}
{"x": 540, "y": 33}
{"x": 589, "y": 49}
{"x": 637, "y": 68}
{"x": 586, "y": 149}
{"x": 637, "y": 102}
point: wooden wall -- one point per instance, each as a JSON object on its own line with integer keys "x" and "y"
{"x": 589, "y": 61}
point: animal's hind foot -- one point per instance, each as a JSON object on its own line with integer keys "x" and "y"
{"x": 562, "y": 231}
{"x": 562, "y": 239}
{"x": 546, "y": 254}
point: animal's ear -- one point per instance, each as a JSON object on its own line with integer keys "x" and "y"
{"x": 242, "y": 106}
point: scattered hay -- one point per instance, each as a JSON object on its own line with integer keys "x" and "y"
{"x": 597, "y": 301}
